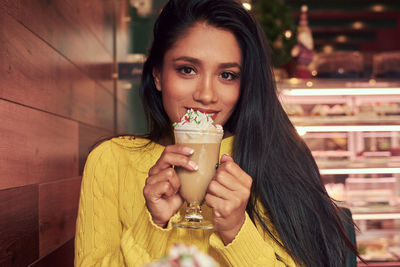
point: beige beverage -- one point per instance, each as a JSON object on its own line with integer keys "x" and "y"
{"x": 197, "y": 130}
{"x": 194, "y": 183}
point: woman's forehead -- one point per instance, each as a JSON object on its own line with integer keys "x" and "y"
{"x": 203, "y": 40}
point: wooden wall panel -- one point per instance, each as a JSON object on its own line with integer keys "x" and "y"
{"x": 98, "y": 17}
{"x": 63, "y": 256}
{"x": 35, "y": 146}
{"x": 88, "y": 136}
{"x": 37, "y": 76}
{"x": 19, "y": 236}
{"x": 61, "y": 25}
{"x": 58, "y": 205}
{"x": 57, "y": 98}
{"x": 104, "y": 109}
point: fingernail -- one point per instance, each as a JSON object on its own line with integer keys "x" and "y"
{"x": 193, "y": 165}
{"x": 225, "y": 156}
{"x": 189, "y": 150}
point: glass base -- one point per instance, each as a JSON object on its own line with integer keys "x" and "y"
{"x": 193, "y": 224}
{"x": 193, "y": 218}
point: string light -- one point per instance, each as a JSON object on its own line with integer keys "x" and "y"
{"x": 247, "y": 6}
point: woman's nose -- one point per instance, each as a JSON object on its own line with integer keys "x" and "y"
{"x": 206, "y": 91}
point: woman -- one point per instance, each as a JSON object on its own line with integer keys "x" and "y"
{"x": 270, "y": 207}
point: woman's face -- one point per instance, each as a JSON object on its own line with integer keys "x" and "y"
{"x": 201, "y": 71}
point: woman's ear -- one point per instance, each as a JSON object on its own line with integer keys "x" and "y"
{"x": 156, "y": 77}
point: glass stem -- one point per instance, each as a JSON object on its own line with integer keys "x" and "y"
{"x": 193, "y": 213}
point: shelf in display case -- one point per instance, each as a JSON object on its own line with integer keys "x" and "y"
{"x": 335, "y": 87}
{"x": 377, "y": 216}
{"x": 359, "y": 171}
{"x": 344, "y": 120}
{"x": 379, "y": 212}
{"x": 360, "y": 166}
{"x": 348, "y": 128}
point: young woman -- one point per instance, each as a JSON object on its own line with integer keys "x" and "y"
{"x": 269, "y": 205}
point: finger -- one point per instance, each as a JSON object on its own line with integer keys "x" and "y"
{"x": 156, "y": 191}
{"x": 225, "y": 157}
{"x": 218, "y": 190}
{"x": 227, "y": 180}
{"x": 221, "y": 208}
{"x": 165, "y": 175}
{"x": 233, "y": 169}
{"x": 169, "y": 159}
{"x": 180, "y": 149}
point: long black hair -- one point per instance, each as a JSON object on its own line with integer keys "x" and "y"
{"x": 287, "y": 187}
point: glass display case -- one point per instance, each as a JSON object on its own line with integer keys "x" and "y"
{"x": 353, "y": 131}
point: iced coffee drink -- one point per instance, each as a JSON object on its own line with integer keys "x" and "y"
{"x": 198, "y": 131}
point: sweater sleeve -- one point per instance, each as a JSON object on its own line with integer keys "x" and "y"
{"x": 250, "y": 249}
{"x": 101, "y": 239}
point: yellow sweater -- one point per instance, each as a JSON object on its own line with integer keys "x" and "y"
{"x": 114, "y": 227}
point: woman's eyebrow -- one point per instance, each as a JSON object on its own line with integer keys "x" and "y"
{"x": 189, "y": 59}
{"x": 230, "y": 65}
{"x": 197, "y": 61}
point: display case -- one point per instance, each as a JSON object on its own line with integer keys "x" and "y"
{"x": 353, "y": 131}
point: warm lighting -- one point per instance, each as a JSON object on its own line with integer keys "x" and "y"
{"x": 358, "y": 25}
{"x": 341, "y": 91}
{"x": 294, "y": 81}
{"x": 376, "y": 216}
{"x": 301, "y": 131}
{"x": 360, "y": 171}
{"x": 314, "y": 73}
{"x": 288, "y": 34}
{"x": 327, "y": 49}
{"x": 127, "y": 86}
{"x": 377, "y": 8}
{"x": 348, "y": 128}
{"x": 341, "y": 39}
{"x": 309, "y": 84}
{"x": 372, "y": 81}
{"x": 247, "y": 6}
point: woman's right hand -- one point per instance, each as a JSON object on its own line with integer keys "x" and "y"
{"x": 162, "y": 186}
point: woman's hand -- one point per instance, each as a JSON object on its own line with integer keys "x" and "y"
{"x": 161, "y": 190}
{"x": 228, "y": 194}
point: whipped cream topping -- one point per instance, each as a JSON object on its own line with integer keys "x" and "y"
{"x": 196, "y": 120}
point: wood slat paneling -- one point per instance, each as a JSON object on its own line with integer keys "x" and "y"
{"x": 60, "y": 257}
{"x": 98, "y": 17}
{"x": 63, "y": 26}
{"x": 104, "y": 109}
{"x": 35, "y": 146}
{"x": 35, "y": 75}
{"x": 58, "y": 207}
{"x": 19, "y": 238}
{"x": 88, "y": 136}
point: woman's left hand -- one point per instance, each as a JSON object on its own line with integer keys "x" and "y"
{"x": 228, "y": 194}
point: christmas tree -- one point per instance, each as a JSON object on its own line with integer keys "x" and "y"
{"x": 277, "y": 21}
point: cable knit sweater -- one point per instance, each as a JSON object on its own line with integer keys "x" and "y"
{"x": 114, "y": 227}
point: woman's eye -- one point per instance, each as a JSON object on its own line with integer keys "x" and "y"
{"x": 186, "y": 70}
{"x": 229, "y": 76}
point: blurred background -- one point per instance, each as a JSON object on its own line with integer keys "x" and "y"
{"x": 69, "y": 76}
